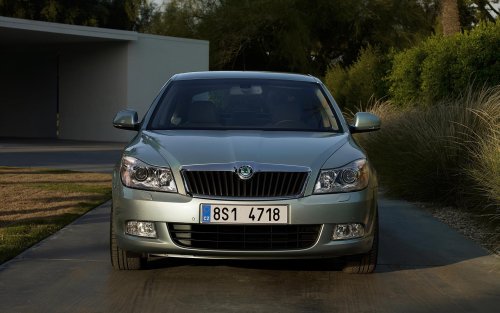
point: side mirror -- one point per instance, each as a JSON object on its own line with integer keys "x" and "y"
{"x": 127, "y": 119}
{"x": 365, "y": 122}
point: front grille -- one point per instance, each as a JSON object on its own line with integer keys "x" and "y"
{"x": 244, "y": 237}
{"x": 261, "y": 185}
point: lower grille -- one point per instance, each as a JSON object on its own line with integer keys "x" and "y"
{"x": 244, "y": 237}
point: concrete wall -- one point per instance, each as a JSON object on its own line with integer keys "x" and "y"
{"x": 92, "y": 88}
{"x": 152, "y": 60}
{"x": 28, "y": 97}
{"x": 97, "y": 80}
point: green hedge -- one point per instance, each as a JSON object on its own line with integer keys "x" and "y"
{"x": 363, "y": 81}
{"x": 442, "y": 67}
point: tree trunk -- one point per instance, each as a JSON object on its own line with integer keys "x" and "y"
{"x": 450, "y": 18}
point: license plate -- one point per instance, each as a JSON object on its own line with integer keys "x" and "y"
{"x": 244, "y": 214}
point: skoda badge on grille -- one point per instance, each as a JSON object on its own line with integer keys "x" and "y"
{"x": 245, "y": 172}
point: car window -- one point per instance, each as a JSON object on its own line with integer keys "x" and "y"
{"x": 244, "y": 104}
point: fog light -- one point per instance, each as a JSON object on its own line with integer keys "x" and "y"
{"x": 348, "y": 231}
{"x": 142, "y": 229}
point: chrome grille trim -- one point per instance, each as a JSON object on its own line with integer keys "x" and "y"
{"x": 220, "y": 181}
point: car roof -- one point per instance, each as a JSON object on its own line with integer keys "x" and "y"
{"x": 244, "y": 74}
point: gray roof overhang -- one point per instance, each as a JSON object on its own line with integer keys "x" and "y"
{"x": 14, "y": 31}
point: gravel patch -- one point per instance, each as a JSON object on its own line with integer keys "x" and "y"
{"x": 471, "y": 225}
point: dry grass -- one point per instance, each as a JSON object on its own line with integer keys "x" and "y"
{"x": 448, "y": 153}
{"x": 485, "y": 150}
{"x": 37, "y": 202}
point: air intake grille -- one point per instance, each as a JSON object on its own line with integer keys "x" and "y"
{"x": 261, "y": 185}
{"x": 244, "y": 237}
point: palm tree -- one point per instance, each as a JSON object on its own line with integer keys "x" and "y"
{"x": 450, "y": 19}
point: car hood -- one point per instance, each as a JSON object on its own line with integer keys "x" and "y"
{"x": 177, "y": 148}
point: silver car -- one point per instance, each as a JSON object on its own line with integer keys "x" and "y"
{"x": 244, "y": 165}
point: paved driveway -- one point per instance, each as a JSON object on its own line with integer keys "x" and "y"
{"x": 424, "y": 266}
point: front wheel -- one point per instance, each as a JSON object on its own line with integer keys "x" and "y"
{"x": 122, "y": 259}
{"x": 367, "y": 262}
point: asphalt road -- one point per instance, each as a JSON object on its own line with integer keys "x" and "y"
{"x": 424, "y": 266}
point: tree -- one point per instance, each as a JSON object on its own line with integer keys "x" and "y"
{"x": 120, "y": 14}
{"x": 450, "y": 18}
{"x": 306, "y": 36}
{"x": 130, "y": 14}
{"x": 295, "y": 35}
{"x": 484, "y": 9}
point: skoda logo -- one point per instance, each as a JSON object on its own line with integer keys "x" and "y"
{"x": 245, "y": 172}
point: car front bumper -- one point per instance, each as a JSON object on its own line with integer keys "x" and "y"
{"x": 163, "y": 208}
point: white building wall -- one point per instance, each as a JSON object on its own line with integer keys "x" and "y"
{"x": 92, "y": 88}
{"x": 152, "y": 60}
{"x": 98, "y": 80}
{"x": 28, "y": 97}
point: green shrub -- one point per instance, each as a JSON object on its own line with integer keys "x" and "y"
{"x": 442, "y": 67}
{"x": 440, "y": 70}
{"x": 479, "y": 56}
{"x": 361, "y": 82}
{"x": 404, "y": 78}
{"x": 336, "y": 79}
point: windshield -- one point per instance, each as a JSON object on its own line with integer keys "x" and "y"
{"x": 244, "y": 104}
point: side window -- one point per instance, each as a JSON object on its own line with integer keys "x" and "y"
{"x": 161, "y": 121}
{"x": 328, "y": 119}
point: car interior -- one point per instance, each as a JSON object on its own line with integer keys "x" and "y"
{"x": 245, "y": 107}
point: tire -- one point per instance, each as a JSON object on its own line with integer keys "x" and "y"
{"x": 364, "y": 263}
{"x": 122, "y": 259}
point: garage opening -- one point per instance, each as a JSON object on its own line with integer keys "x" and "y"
{"x": 28, "y": 94}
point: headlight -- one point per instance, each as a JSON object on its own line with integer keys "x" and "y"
{"x": 351, "y": 177}
{"x": 137, "y": 174}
